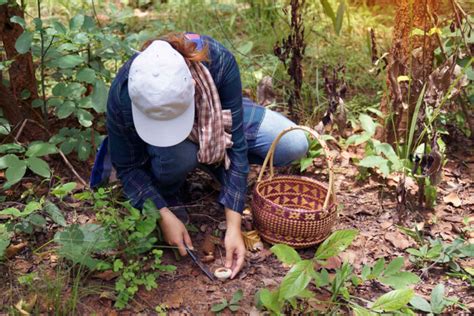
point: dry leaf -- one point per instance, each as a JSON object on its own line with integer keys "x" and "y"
{"x": 106, "y": 275}
{"x": 252, "y": 240}
{"x": 208, "y": 245}
{"x": 25, "y": 307}
{"x": 453, "y": 199}
{"x": 398, "y": 240}
{"x": 12, "y": 250}
{"x": 173, "y": 300}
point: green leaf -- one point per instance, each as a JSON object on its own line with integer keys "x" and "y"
{"x": 38, "y": 166}
{"x": 146, "y": 227}
{"x": 358, "y": 139}
{"x": 4, "y": 242}
{"x": 55, "y": 213}
{"x": 328, "y": 10}
{"x": 394, "y": 266}
{"x": 86, "y": 75}
{"x": 286, "y": 254}
{"x": 13, "y": 211}
{"x": 438, "y": 301}
{"x": 41, "y": 149}
{"x": 76, "y": 22}
{"x": 236, "y": 297}
{"x": 340, "y": 16}
{"x": 17, "y": 19}
{"x": 334, "y": 244}
{"x": 23, "y": 43}
{"x": 150, "y": 210}
{"x": 393, "y": 300}
{"x": 245, "y": 48}
{"x": 59, "y": 27}
{"x": 305, "y": 163}
{"x": 414, "y": 119}
{"x": 468, "y": 250}
{"x": 421, "y": 304}
{"x": 219, "y": 307}
{"x": 15, "y": 171}
{"x": 233, "y": 308}
{"x": 37, "y": 220}
{"x": 65, "y": 109}
{"x": 376, "y": 162}
{"x": 400, "y": 280}
{"x": 360, "y": 311}
{"x": 11, "y": 149}
{"x": 31, "y": 207}
{"x": 296, "y": 280}
{"x": 8, "y": 160}
{"x": 85, "y": 118}
{"x": 378, "y": 267}
{"x": 99, "y": 96}
{"x": 64, "y": 189}
{"x": 270, "y": 300}
{"x": 367, "y": 124}
{"x": 69, "y": 61}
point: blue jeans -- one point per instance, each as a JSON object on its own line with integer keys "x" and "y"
{"x": 171, "y": 165}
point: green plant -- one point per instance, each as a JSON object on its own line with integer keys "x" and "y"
{"x": 338, "y": 18}
{"x": 437, "y": 252}
{"x": 27, "y": 219}
{"x": 16, "y": 159}
{"x": 295, "y": 286}
{"x": 438, "y": 302}
{"x": 314, "y": 151}
{"x": 128, "y": 232}
{"x": 232, "y": 305}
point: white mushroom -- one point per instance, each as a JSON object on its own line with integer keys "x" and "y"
{"x": 223, "y": 273}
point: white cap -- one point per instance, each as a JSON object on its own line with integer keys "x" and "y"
{"x": 161, "y": 88}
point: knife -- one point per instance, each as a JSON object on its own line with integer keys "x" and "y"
{"x": 200, "y": 264}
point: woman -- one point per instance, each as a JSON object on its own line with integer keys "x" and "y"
{"x": 177, "y": 106}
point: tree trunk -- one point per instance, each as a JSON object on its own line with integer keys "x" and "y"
{"x": 21, "y": 71}
{"x": 412, "y": 56}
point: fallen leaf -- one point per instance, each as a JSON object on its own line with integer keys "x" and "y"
{"x": 25, "y": 307}
{"x": 173, "y": 300}
{"x": 22, "y": 266}
{"x": 398, "y": 240}
{"x": 12, "y": 250}
{"x": 453, "y": 199}
{"x": 252, "y": 240}
{"x": 331, "y": 264}
{"x": 208, "y": 246}
{"x": 106, "y": 275}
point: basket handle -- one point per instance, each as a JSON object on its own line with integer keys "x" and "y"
{"x": 329, "y": 158}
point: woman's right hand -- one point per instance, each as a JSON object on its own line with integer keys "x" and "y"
{"x": 174, "y": 231}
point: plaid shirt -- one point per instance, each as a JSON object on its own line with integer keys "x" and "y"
{"x": 128, "y": 151}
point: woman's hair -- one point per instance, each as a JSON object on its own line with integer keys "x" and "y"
{"x": 184, "y": 46}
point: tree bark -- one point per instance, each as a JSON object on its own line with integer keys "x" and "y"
{"x": 412, "y": 56}
{"x": 21, "y": 71}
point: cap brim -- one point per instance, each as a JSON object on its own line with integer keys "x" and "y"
{"x": 163, "y": 133}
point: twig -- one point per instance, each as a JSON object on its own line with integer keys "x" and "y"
{"x": 204, "y": 215}
{"x": 20, "y": 131}
{"x": 66, "y": 161}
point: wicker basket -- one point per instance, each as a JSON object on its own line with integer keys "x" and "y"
{"x": 294, "y": 210}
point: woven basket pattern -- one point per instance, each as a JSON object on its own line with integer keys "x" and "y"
{"x": 293, "y": 210}
{"x": 289, "y": 210}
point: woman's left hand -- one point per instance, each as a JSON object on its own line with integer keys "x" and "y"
{"x": 234, "y": 243}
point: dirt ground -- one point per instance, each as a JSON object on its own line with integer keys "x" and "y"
{"x": 369, "y": 206}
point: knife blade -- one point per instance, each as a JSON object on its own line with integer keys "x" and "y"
{"x": 200, "y": 264}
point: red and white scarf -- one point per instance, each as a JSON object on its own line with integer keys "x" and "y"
{"x": 212, "y": 125}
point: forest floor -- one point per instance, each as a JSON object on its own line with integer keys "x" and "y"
{"x": 369, "y": 206}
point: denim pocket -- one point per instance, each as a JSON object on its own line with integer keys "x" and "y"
{"x": 253, "y": 117}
